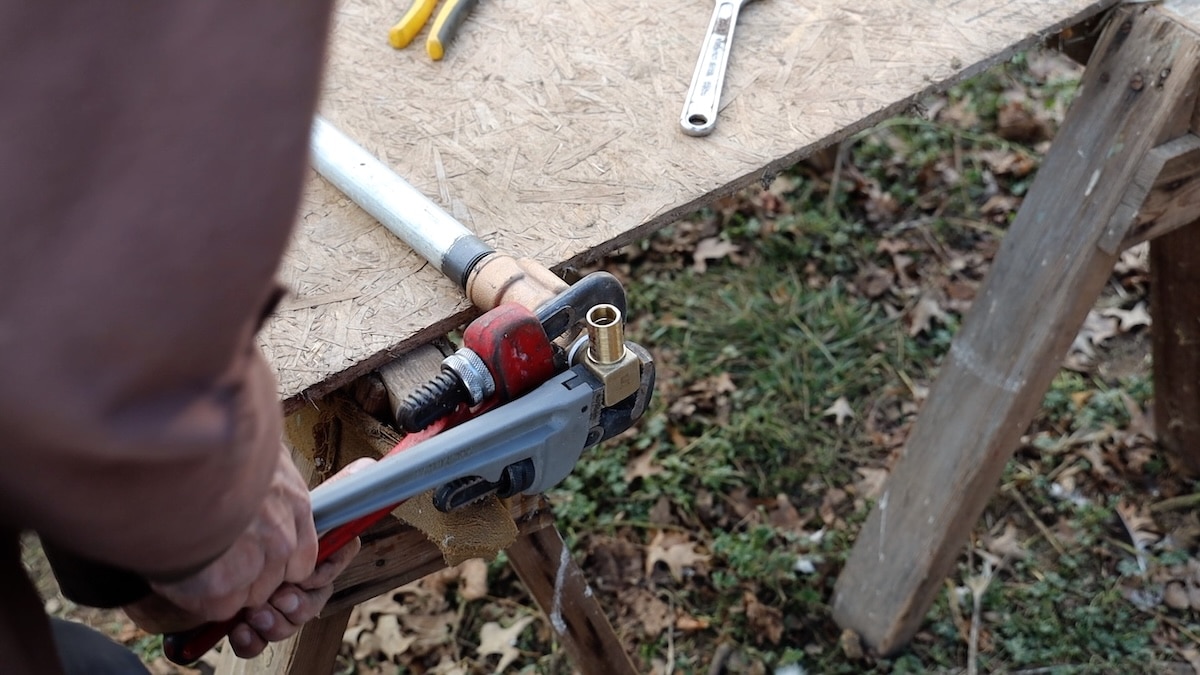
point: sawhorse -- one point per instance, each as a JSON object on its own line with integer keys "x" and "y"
{"x": 1122, "y": 170}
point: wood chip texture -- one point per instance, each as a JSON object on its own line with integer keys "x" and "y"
{"x": 551, "y": 130}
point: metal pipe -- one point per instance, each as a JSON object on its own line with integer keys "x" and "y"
{"x": 397, "y": 205}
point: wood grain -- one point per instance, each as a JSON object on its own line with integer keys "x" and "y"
{"x": 1175, "y": 338}
{"x": 1138, "y": 93}
{"x": 1174, "y": 199}
{"x": 544, "y": 564}
{"x": 550, "y": 129}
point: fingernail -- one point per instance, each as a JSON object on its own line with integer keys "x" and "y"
{"x": 262, "y": 620}
{"x": 240, "y": 637}
{"x": 288, "y": 603}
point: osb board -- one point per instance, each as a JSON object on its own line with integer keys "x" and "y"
{"x": 551, "y": 130}
{"x": 1186, "y": 11}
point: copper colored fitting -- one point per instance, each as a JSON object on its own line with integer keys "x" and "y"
{"x": 499, "y": 278}
{"x": 606, "y": 334}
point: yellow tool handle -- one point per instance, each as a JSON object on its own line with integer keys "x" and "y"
{"x": 407, "y": 28}
{"x": 445, "y": 26}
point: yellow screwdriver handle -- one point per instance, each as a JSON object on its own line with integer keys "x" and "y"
{"x": 407, "y": 28}
{"x": 445, "y": 26}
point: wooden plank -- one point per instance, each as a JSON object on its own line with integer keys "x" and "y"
{"x": 1175, "y": 306}
{"x": 551, "y": 130}
{"x": 544, "y": 564}
{"x": 395, "y": 554}
{"x": 1051, "y": 267}
{"x": 1174, "y": 198}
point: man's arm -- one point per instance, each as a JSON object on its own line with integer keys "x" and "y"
{"x": 153, "y": 159}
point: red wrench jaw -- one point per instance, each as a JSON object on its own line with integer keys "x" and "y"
{"x": 515, "y": 348}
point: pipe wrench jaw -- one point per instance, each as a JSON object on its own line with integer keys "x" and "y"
{"x": 546, "y": 464}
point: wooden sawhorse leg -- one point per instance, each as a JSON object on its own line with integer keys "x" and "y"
{"x": 544, "y": 564}
{"x": 1175, "y": 306}
{"x": 1137, "y": 95}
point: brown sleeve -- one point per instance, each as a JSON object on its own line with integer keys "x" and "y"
{"x": 152, "y": 159}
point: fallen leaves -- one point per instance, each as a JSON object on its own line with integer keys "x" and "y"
{"x": 765, "y": 620}
{"x": 1140, "y": 527}
{"x": 642, "y": 466}
{"x": 927, "y": 309}
{"x": 706, "y": 400}
{"x": 870, "y": 485}
{"x": 418, "y": 621}
{"x": 709, "y": 249}
{"x": 1006, "y": 545}
{"x": 675, "y": 551}
{"x": 497, "y": 640}
{"x": 840, "y": 411}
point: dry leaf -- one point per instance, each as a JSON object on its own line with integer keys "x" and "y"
{"x": 875, "y": 281}
{"x": 1176, "y": 596}
{"x": 1141, "y": 529}
{"x": 1134, "y": 260}
{"x": 712, "y": 248}
{"x": 851, "y": 645}
{"x": 676, "y": 555}
{"x": 766, "y": 621}
{"x": 1015, "y": 122}
{"x": 928, "y": 308}
{"x": 392, "y": 641}
{"x": 1095, "y": 457}
{"x": 473, "y": 581}
{"x": 871, "y": 485}
{"x": 839, "y": 411}
{"x": 494, "y": 639}
{"x": 829, "y": 503}
{"x": 1193, "y": 657}
{"x": 448, "y": 666}
{"x": 642, "y": 466}
{"x": 652, "y": 613}
{"x": 1129, "y": 318}
{"x": 1008, "y": 544}
{"x": 785, "y": 516}
{"x": 1095, "y": 331}
{"x": 688, "y": 623}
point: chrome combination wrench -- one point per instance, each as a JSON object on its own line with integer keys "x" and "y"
{"x": 704, "y": 96}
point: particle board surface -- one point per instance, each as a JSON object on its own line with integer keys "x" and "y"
{"x": 551, "y": 130}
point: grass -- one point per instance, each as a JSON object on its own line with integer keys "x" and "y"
{"x": 786, "y": 325}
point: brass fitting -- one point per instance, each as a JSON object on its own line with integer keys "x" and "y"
{"x": 607, "y": 357}
{"x": 499, "y": 278}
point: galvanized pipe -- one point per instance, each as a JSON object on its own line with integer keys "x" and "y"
{"x": 397, "y": 205}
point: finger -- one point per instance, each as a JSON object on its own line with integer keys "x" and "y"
{"x": 246, "y": 643}
{"x": 334, "y": 565}
{"x": 301, "y": 563}
{"x": 303, "y": 557}
{"x": 270, "y": 624}
{"x": 299, "y": 606}
{"x": 352, "y": 468}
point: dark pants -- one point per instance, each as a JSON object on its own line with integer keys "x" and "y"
{"x": 85, "y": 651}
